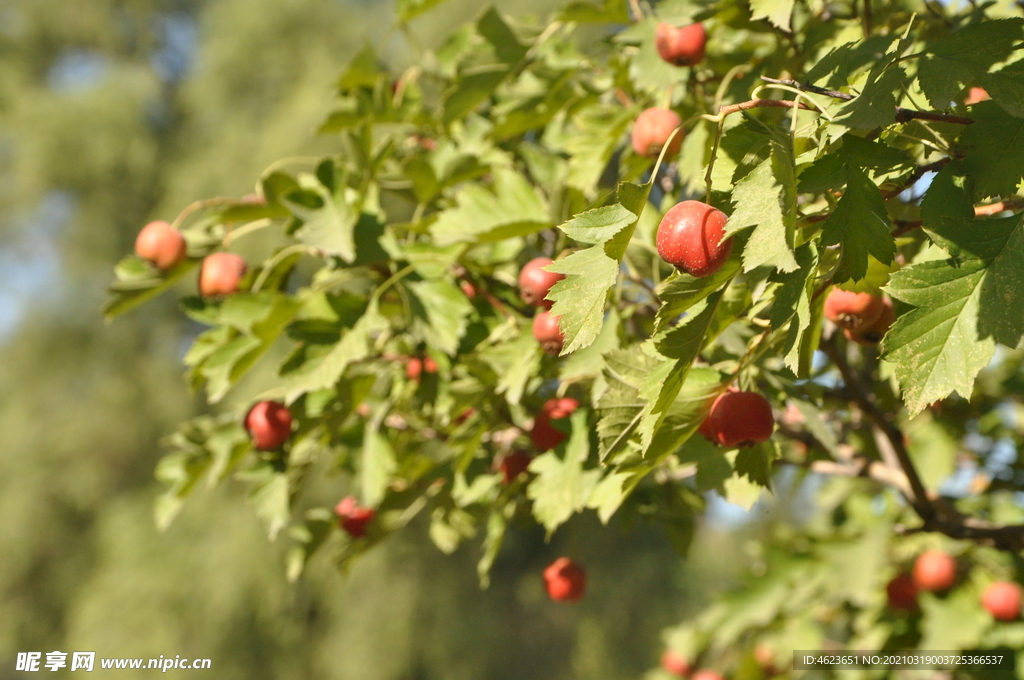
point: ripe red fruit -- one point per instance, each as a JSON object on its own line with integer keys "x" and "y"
{"x": 429, "y": 365}
{"x": 675, "y": 663}
{"x": 975, "y": 95}
{"x": 1002, "y": 600}
{"x": 705, "y": 674}
{"x": 873, "y": 333}
{"x": 682, "y": 46}
{"x": 853, "y": 311}
{"x": 902, "y": 593}
{"x": 220, "y": 274}
{"x": 652, "y": 129}
{"x": 547, "y": 332}
{"x": 161, "y": 244}
{"x": 739, "y": 419}
{"x": 543, "y": 435}
{"x": 765, "y": 658}
{"x": 353, "y": 517}
{"x": 534, "y": 282}
{"x": 690, "y": 237}
{"x": 934, "y": 570}
{"x": 566, "y": 581}
{"x": 413, "y": 368}
{"x": 468, "y": 289}
{"x": 513, "y": 465}
{"x": 269, "y": 424}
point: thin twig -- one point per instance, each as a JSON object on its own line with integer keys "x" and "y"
{"x": 868, "y": 19}
{"x": 902, "y": 115}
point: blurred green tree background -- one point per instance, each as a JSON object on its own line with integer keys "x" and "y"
{"x": 116, "y": 112}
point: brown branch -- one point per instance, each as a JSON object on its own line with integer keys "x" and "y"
{"x": 902, "y": 115}
{"x": 912, "y": 178}
{"x": 903, "y": 226}
{"x": 934, "y": 515}
{"x": 764, "y": 103}
{"x": 868, "y": 19}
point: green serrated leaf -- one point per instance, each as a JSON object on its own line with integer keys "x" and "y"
{"x": 778, "y": 12}
{"x": 562, "y": 487}
{"x": 994, "y": 150}
{"x": 512, "y": 207}
{"x": 860, "y": 223}
{"x": 759, "y": 204}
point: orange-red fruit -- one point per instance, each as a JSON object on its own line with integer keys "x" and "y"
{"x": 161, "y": 244}
{"x": 1002, "y": 600}
{"x": 513, "y": 465}
{"x": 852, "y": 310}
{"x": 682, "y": 46}
{"x": 765, "y": 658}
{"x": 739, "y": 419}
{"x": 468, "y": 289}
{"x": 352, "y": 517}
{"x": 873, "y": 333}
{"x": 413, "y": 368}
{"x": 705, "y": 674}
{"x": 975, "y": 95}
{"x": 652, "y": 129}
{"x": 690, "y": 237}
{"x": 221, "y": 273}
{"x": 547, "y": 332}
{"x": 269, "y": 424}
{"x": 544, "y": 436}
{"x": 675, "y": 663}
{"x": 534, "y": 282}
{"x": 566, "y": 580}
{"x": 934, "y": 570}
{"x": 902, "y": 593}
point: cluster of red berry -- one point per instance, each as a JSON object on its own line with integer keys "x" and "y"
{"x": 936, "y": 571}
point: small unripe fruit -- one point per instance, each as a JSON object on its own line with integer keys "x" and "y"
{"x": 873, "y": 333}
{"x": 221, "y": 274}
{"x": 544, "y": 436}
{"x": 547, "y": 332}
{"x": 682, "y": 46}
{"x": 161, "y": 244}
{"x": 690, "y": 237}
{"x": 352, "y": 517}
{"x": 902, "y": 593}
{"x": 566, "y": 581}
{"x": 934, "y": 570}
{"x": 675, "y": 663}
{"x": 535, "y": 283}
{"x": 853, "y": 311}
{"x": 739, "y": 419}
{"x": 975, "y": 95}
{"x": 705, "y": 674}
{"x": 652, "y": 129}
{"x": 269, "y": 424}
{"x": 513, "y": 465}
{"x": 1002, "y": 600}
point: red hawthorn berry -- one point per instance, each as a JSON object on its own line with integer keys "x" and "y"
{"x": 544, "y": 436}
{"x": 413, "y": 368}
{"x": 975, "y": 95}
{"x": 902, "y": 593}
{"x": 705, "y": 674}
{"x": 429, "y": 365}
{"x": 221, "y": 274}
{"x": 566, "y": 580}
{"x": 934, "y": 570}
{"x": 765, "y": 658}
{"x": 690, "y": 237}
{"x": 652, "y": 129}
{"x": 352, "y": 517}
{"x": 547, "y": 332}
{"x": 161, "y": 244}
{"x": 535, "y": 283}
{"x": 468, "y": 289}
{"x": 269, "y": 424}
{"x": 682, "y": 46}
{"x": 873, "y": 333}
{"x": 1002, "y": 600}
{"x": 739, "y": 419}
{"x": 514, "y": 464}
{"x": 675, "y": 663}
{"x": 853, "y": 311}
